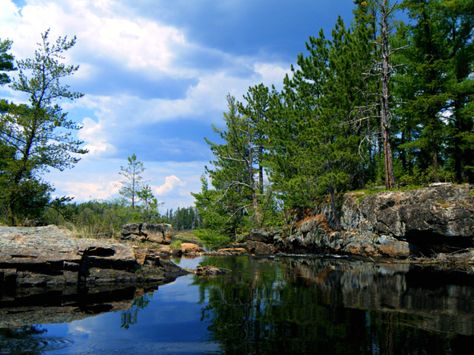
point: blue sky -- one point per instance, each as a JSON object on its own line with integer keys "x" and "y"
{"x": 155, "y": 74}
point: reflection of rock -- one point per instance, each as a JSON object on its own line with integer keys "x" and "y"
{"x": 158, "y": 233}
{"x": 441, "y": 300}
{"x": 60, "y": 305}
{"x": 49, "y": 256}
{"x": 209, "y": 270}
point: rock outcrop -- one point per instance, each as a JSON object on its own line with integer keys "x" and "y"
{"x": 443, "y": 210}
{"x": 425, "y": 221}
{"x": 49, "y": 256}
{"x": 158, "y": 233}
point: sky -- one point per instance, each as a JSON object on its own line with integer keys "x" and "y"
{"x": 155, "y": 75}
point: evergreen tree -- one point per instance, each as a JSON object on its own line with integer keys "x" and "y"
{"x": 132, "y": 185}
{"x": 38, "y": 135}
{"x": 6, "y": 61}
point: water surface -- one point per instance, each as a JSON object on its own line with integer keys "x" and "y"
{"x": 281, "y": 305}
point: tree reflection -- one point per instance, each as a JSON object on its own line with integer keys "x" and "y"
{"x": 301, "y": 306}
{"x": 130, "y": 316}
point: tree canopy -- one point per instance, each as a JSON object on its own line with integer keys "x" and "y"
{"x": 378, "y": 102}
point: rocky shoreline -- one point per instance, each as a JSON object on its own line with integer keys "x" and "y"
{"x": 433, "y": 223}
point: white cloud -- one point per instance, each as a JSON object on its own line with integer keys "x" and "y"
{"x": 83, "y": 191}
{"x": 171, "y": 182}
{"x": 109, "y": 33}
{"x": 103, "y": 29}
{"x": 93, "y": 134}
{"x": 272, "y": 73}
{"x": 98, "y": 178}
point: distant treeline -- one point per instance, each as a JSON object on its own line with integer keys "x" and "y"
{"x": 379, "y": 102}
{"x": 183, "y": 218}
{"x": 106, "y": 218}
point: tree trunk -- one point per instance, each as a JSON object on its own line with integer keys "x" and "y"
{"x": 384, "y": 109}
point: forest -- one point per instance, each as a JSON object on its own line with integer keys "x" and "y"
{"x": 384, "y": 102}
{"x": 381, "y": 103}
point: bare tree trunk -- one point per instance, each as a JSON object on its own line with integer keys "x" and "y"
{"x": 384, "y": 109}
{"x": 260, "y": 170}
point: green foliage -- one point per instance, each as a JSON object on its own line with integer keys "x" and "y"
{"x": 176, "y": 244}
{"x": 212, "y": 239}
{"x": 6, "y": 61}
{"x": 372, "y": 91}
{"x": 36, "y": 136}
{"x": 183, "y": 218}
{"x": 97, "y": 219}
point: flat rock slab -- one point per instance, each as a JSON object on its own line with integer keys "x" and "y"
{"x": 25, "y": 245}
{"x": 45, "y": 256}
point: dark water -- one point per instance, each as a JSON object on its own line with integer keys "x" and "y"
{"x": 267, "y": 306}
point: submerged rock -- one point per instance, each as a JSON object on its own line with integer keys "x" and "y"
{"x": 49, "y": 256}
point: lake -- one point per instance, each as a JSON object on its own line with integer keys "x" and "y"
{"x": 291, "y": 305}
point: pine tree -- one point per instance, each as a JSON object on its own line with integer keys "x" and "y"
{"x": 132, "y": 185}
{"x": 39, "y": 133}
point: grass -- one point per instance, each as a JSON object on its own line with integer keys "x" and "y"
{"x": 175, "y": 245}
{"x": 187, "y": 236}
{"x": 203, "y": 237}
{"x": 369, "y": 191}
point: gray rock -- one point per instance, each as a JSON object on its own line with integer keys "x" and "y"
{"x": 262, "y": 235}
{"x": 260, "y": 248}
{"x": 394, "y": 223}
{"x": 47, "y": 256}
{"x": 443, "y": 209}
{"x": 158, "y": 233}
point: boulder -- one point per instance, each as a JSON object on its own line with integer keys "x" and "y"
{"x": 157, "y": 233}
{"x": 260, "y": 248}
{"x": 191, "y": 248}
{"x": 444, "y": 210}
{"x": 262, "y": 235}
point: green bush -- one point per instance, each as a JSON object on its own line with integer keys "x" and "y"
{"x": 212, "y": 239}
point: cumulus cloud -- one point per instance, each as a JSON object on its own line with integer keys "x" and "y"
{"x": 83, "y": 191}
{"x": 137, "y": 73}
{"x": 170, "y": 183}
{"x": 92, "y": 132}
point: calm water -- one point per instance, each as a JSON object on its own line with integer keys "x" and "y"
{"x": 281, "y": 305}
